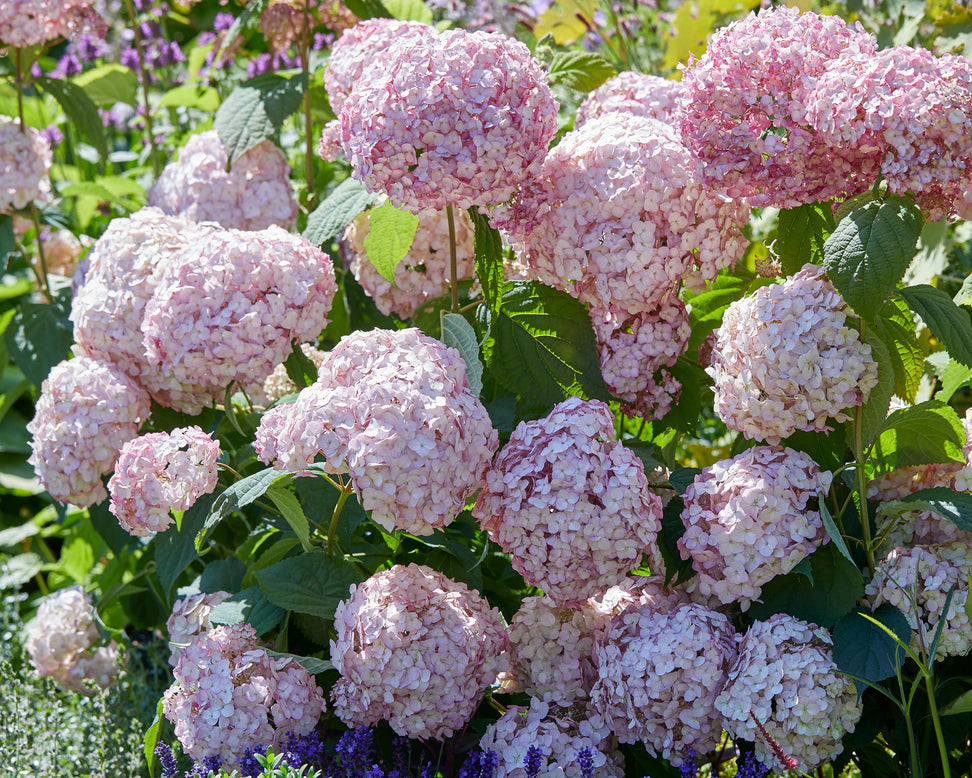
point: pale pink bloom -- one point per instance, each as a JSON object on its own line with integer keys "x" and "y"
{"x": 638, "y": 94}
{"x": 62, "y": 250}
{"x": 25, "y": 163}
{"x": 190, "y": 617}
{"x": 26, "y": 23}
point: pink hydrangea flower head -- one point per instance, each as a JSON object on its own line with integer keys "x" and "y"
{"x": 473, "y": 15}
{"x": 921, "y": 576}
{"x": 253, "y": 194}
{"x": 282, "y": 21}
{"x": 743, "y": 109}
{"x": 558, "y": 735}
{"x": 785, "y": 678}
{"x": 618, "y": 216}
{"x": 190, "y": 617}
{"x": 227, "y": 307}
{"x": 409, "y": 635}
{"x": 61, "y": 638}
{"x": 26, "y": 23}
{"x": 122, "y": 272}
{"x": 62, "y": 250}
{"x": 25, "y": 163}
{"x": 787, "y": 359}
{"x": 395, "y": 411}
{"x": 461, "y": 118}
{"x": 902, "y": 481}
{"x": 230, "y": 695}
{"x": 910, "y": 106}
{"x": 570, "y": 503}
{"x": 424, "y": 273}
{"x": 638, "y": 94}
{"x": 659, "y": 672}
{"x": 746, "y": 521}
{"x": 917, "y": 528}
{"x": 158, "y": 473}
{"x": 86, "y": 412}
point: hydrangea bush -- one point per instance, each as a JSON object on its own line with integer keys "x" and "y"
{"x": 459, "y": 400}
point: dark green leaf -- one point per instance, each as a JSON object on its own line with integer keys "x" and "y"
{"x": 240, "y": 494}
{"x": 863, "y": 649}
{"x": 672, "y": 529}
{"x": 108, "y": 528}
{"x": 801, "y": 235}
{"x": 947, "y": 322}
{"x": 223, "y": 575}
{"x": 348, "y": 199}
{"x": 907, "y": 358}
{"x": 367, "y": 9}
{"x": 835, "y": 537}
{"x": 391, "y": 231}
{"x": 875, "y": 410}
{"x": 542, "y": 345}
{"x": 682, "y": 478}
{"x": 38, "y": 338}
{"x": 109, "y": 84}
{"x": 8, "y": 241}
{"x": 580, "y": 70}
{"x": 251, "y": 606}
{"x": 288, "y": 506}
{"x": 300, "y": 368}
{"x": 311, "y": 664}
{"x": 319, "y": 499}
{"x": 312, "y": 583}
{"x": 836, "y": 588}
{"x": 921, "y": 434}
{"x": 489, "y": 259}
{"x": 869, "y": 251}
{"x": 79, "y": 108}
{"x": 459, "y": 334}
{"x": 175, "y": 549}
{"x": 257, "y": 109}
{"x": 947, "y": 503}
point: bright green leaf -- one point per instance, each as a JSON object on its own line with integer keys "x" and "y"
{"x": 285, "y": 502}
{"x": 874, "y": 412}
{"x": 109, "y": 84}
{"x": 409, "y": 10}
{"x": 584, "y": 71}
{"x": 205, "y": 98}
{"x": 152, "y": 740}
{"x": 921, "y": 434}
{"x": 953, "y": 377}
{"x": 947, "y": 503}
{"x": 391, "y": 232}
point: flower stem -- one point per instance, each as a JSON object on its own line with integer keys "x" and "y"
{"x": 42, "y": 276}
{"x": 143, "y": 78}
{"x": 346, "y": 490}
{"x": 305, "y": 48}
{"x": 861, "y": 480}
{"x": 933, "y": 707}
{"x": 453, "y": 261}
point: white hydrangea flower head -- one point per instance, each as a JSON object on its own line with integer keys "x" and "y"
{"x": 785, "y": 679}
{"x": 424, "y": 273}
{"x": 916, "y": 581}
{"x": 638, "y": 94}
{"x": 395, "y": 411}
{"x": 25, "y": 163}
{"x": 570, "y": 504}
{"x": 558, "y": 736}
{"x": 86, "y": 412}
{"x": 158, "y": 473}
{"x": 226, "y": 308}
{"x": 61, "y": 638}
{"x": 618, "y": 216}
{"x": 659, "y": 672}
{"x": 425, "y": 135}
{"x": 190, "y": 617}
{"x": 786, "y": 359}
{"x": 230, "y": 695}
{"x": 254, "y": 194}
{"x": 409, "y": 636}
{"x": 746, "y": 521}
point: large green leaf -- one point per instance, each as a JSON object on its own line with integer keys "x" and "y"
{"x": 874, "y": 412}
{"x": 79, "y": 108}
{"x": 367, "y": 9}
{"x": 257, "y": 109}
{"x": 801, "y": 235}
{"x": 348, "y": 199}
{"x": 947, "y": 503}
{"x": 864, "y": 649}
{"x": 109, "y": 84}
{"x": 907, "y": 356}
{"x": 947, "y": 321}
{"x": 312, "y": 583}
{"x": 238, "y": 495}
{"x": 489, "y": 259}
{"x": 869, "y": 251}
{"x": 542, "y": 345}
{"x": 580, "y": 70}
{"x": 311, "y": 664}
{"x": 38, "y": 338}
{"x": 391, "y": 231}
{"x": 921, "y": 434}
{"x": 250, "y": 605}
{"x": 284, "y": 501}
{"x": 175, "y": 549}
{"x": 410, "y": 11}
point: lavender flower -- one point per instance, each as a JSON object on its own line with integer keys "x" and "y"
{"x": 356, "y": 749}
{"x": 299, "y": 750}
{"x": 167, "y": 760}
{"x": 533, "y": 761}
{"x": 585, "y": 760}
{"x": 482, "y": 764}
{"x": 688, "y": 768}
{"x": 750, "y": 767}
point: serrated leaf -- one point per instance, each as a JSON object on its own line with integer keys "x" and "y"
{"x": 863, "y": 649}
{"x": 391, "y": 232}
{"x": 921, "y": 434}
{"x": 257, "y": 109}
{"x": 869, "y": 251}
{"x": 458, "y": 333}
{"x": 311, "y": 664}
{"x": 953, "y": 377}
{"x": 832, "y": 531}
{"x": 239, "y": 495}
{"x": 80, "y": 110}
{"x": 801, "y": 235}
{"x": 339, "y": 208}
{"x": 907, "y": 358}
{"x": 410, "y": 11}
{"x": 584, "y": 71}
{"x": 175, "y": 549}
{"x": 38, "y": 338}
{"x": 874, "y": 412}
{"x": 288, "y": 506}
{"x": 251, "y": 606}
{"x": 947, "y": 322}
{"x": 109, "y": 84}
{"x": 542, "y": 345}
{"x": 489, "y": 259}
{"x": 947, "y": 503}
{"x": 312, "y": 583}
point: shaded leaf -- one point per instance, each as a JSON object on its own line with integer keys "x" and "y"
{"x": 250, "y": 606}
{"x": 175, "y": 549}
{"x": 863, "y": 649}
{"x": 947, "y": 322}
{"x": 874, "y": 412}
{"x": 458, "y": 333}
{"x": 257, "y": 109}
{"x": 300, "y": 368}
{"x": 954, "y": 506}
{"x": 288, "y": 506}
{"x": 489, "y": 259}
{"x": 79, "y": 108}
{"x": 239, "y": 495}
{"x": 833, "y": 532}
{"x": 38, "y": 338}
{"x": 8, "y": 241}
{"x": 801, "y": 235}
{"x": 312, "y": 583}
{"x": 311, "y": 664}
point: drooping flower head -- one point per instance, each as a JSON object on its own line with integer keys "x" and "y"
{"x": 409, "y": 635}
{"x": 25, "y": 164}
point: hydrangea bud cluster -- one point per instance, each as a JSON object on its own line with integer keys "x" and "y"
{"x": 910, "y": 106}
{"x": 785, "y": 679}
{"x": 61, "y": 642}
{"x": 408, "y": 636}
{"x": 559, "y": 739}
{"x": 227, "y": 307}
{"x": 229, "y": 694}
{"x": 158, "y": 473}
{"x": 25, "y": 163}
{"x": 86, "y": 412}
{"x": 428, "y": 134}
{"x": 394, "y": 410}
{"x": 26, "y": 23}
{"x": 786, "y": 359}
{"x": 424, "y": 273}
{"x": 743, "y": 109}
{"x": 659, "y": 672}
{"x": 189, "y": 618}
{"x": 638, "y": 94}
{"x": 253, "y": 194}
{"x": 746, "y": 521}
{"x": 278, "y": 383}
{"x": 920, "y": 577}
{"x": 571, "y": 505}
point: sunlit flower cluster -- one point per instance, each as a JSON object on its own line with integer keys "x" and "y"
{"x": 638, "y": 94}
{"x": 25, "y": 164}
